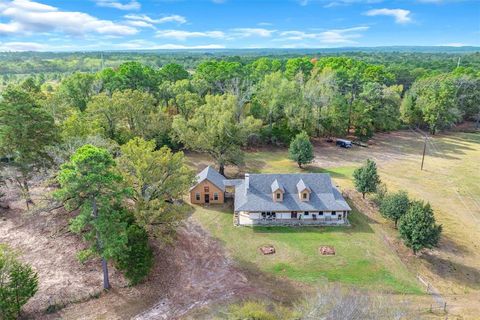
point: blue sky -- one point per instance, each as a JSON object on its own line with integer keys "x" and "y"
{"x": 54, "y": 25}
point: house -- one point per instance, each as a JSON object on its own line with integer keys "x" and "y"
{"x": 276, "y": 199}
{"x": 209, "y": 187}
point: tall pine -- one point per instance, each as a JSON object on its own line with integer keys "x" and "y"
{"x": 89, "y": 183}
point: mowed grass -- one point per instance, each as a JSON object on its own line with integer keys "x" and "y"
{"x": 450, "y": 181}
{"x": 362, "y": 259}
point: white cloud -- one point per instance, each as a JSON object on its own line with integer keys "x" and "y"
{"x": 333, "y": 36}
{"x": 400, "y": 15}
{"x": 142, "y": 17}
{"x": 252, "y": 32}
{"x": 27, "y": 17}
{"x": 22, "y": 46}
{"x": 454, "y": 44}
{"x": 183, "y": 35}
{"x": 336, "y": 3}
{"x": 150, "y": 45}
{"x": 176, "y": 46}
{"x": 131, "y": 5}
{"x": 140, "y": 24}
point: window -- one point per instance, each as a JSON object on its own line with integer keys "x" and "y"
{"x": 197, "y": 196}
{"x": 339, "y": 217}
{"x": 278, "y": 195}
{"x": 206, "y": 188}
{"x": 215, "y": 196}
{"x": 320, "y": 213}
{"x": 293, "y": 215}
{"x": 304, "y": 195}
{"x": 306, "y": 213}
{"x": 334, "y": 213}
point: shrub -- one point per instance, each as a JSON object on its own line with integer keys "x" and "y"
{"x": 18, "y": 283}
{"x": 137, "y": 261}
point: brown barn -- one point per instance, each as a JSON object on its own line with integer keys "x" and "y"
{"x": 210, "y": 187}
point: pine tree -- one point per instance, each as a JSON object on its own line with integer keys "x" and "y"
{"x": 301, "y": 149}
{"x": 18, "y": 283}
{"x": 26, "y": 130}
{"x": 366, "y": 178}
{"x": 89, "y": 183}
{"x": 418, "y": 228}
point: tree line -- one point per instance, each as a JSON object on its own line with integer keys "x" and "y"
{"x": 112, "y": 138}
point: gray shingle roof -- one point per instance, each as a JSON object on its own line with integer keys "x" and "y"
{"x": 211, "y": 175}
{"x": 276, "y": 186}
{"x": 302, "y": 186}
{"x": 258, "y": 197}
{"x": 232, "y": 182}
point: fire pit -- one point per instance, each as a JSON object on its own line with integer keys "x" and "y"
{"x": 267, "y": 250}
{"x": 327, "y": 250}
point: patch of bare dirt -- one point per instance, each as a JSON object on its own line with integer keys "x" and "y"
{"x": 194, "y": 272}
{"x": 42, "y": 239}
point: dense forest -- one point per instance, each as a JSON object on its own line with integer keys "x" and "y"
{"x": 111, "y": 132}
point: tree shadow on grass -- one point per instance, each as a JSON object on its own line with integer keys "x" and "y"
{"x": 454, "y": 271}
{"x": 449, "y": 245}
{"x": 271, "y": 286}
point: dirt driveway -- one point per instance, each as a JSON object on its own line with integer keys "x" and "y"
{"x": 194, "y": 272}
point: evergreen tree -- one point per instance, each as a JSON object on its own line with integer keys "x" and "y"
{"x": 90, "y": 183}
{"x": 26, "y": 130}
{"x": 301, "y": 149}
{"x": 394, "y": 206}
{"x": 418, "y": 228}
{"x": 18, "y": 283}
{"x": 137, "y": 261}
{"x": 366, "y": 178}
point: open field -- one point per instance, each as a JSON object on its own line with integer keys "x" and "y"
{"x": 450, "y": 181}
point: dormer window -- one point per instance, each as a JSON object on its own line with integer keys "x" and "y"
{"x": 277, "y": 191}
{"x": 303, "y": 191}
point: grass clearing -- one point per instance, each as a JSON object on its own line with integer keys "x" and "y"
{"x": 362, "y": 258}
{"x": 450, "y": 181}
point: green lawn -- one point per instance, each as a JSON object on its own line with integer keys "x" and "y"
{"x": 362, "y": 259}
{"x": 449, "y": 181}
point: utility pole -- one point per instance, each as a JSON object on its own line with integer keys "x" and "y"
{"x": 424, "y": 148}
